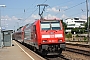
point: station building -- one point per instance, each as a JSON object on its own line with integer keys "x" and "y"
{"x": 75, "y": 23}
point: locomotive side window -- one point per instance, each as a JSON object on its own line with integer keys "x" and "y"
{"x": 34, "y": 27}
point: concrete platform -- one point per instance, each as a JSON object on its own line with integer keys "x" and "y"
{"x": 13, "y": 53}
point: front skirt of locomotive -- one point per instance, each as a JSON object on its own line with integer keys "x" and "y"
{"x": 52, "y": 49}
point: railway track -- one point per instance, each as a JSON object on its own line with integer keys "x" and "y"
{"x": 87, "y": 53}
{"x": 78, "y": 48}
{"x": 55, "y": 57}
{"x": 77, "y": 44}
{"x": 73, "y": 52}
{"x": 68, "y": 54}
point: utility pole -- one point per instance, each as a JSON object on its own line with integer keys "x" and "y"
{"x": 41, "y": 13}
{"x": 1, "y": 27}
{"x": 87, "y": 20}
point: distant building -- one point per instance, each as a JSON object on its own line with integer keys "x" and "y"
{"x": 3, "y": 28}
{"x": 75, "y": 23}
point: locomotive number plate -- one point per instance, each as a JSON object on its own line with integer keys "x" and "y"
{"x": 52, "y": 41}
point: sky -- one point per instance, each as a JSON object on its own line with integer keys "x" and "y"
{"x": 21, "y": 12}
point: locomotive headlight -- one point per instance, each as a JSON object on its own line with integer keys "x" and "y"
{"x": 44, "y": 41}
{"x": 59, "y": 40}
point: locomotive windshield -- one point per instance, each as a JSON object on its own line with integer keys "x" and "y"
{"x": 49, "y": 25}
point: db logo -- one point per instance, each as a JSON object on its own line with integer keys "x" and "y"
{"x": 51, "y": 36}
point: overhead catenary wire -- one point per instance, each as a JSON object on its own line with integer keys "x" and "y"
{"x": 63, "y": 3}
{"x": 31, "y": 12}
{"x": 32, "y": 5}
{"x": 44, "y": 1}
{"x": 75, "y": 5}
{"x": 77, "y": 13}
{"x": 35, "y": 9}
{"x": 72, "y": 7}
{"x": 26, "y": 10}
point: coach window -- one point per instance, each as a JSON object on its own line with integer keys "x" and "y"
{"x": 34, "y": 28}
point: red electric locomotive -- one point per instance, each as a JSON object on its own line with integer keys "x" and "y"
{"x": 45, "y": 36}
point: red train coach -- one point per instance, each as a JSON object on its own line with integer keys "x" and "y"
{"x": 19, "y": 34}
{"x": 45, "y": 36}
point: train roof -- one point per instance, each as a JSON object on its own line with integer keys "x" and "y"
{"x": 42, "y": 20}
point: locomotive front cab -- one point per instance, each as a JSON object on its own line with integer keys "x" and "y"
{"x": 52, "y": 31}
{"x": 52, "y": 35}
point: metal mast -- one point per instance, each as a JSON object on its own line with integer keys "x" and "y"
{"x": 87, "y": 18}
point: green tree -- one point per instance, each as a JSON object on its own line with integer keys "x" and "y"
{"x": 78, "y": 30}
{"x": 86, "y": 24}
{"x": 64, "y": 25}
{"x": 75, "y": 30}
{"x": 69, "y": 35}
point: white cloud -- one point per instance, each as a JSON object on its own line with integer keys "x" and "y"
{"x": 65, "y": 7}
{"x": 49, "y": 16}
{"x": 83, "y": 16}
{"x": 13, "y": 21}
{"x": 31, "y": 19}
{"x": 53, "y": 9}
{"x": 64, "y": 16}
{"x": 9, "y": 18}
{"x": 27, "y": 21}
{"x": 14, "y": 18}
{"x": 9, "y": 22}
{"x": 35, "y": 16}
{"x": 5, "y": 17}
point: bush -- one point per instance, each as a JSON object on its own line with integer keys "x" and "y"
{"x": 69, "y": 35}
